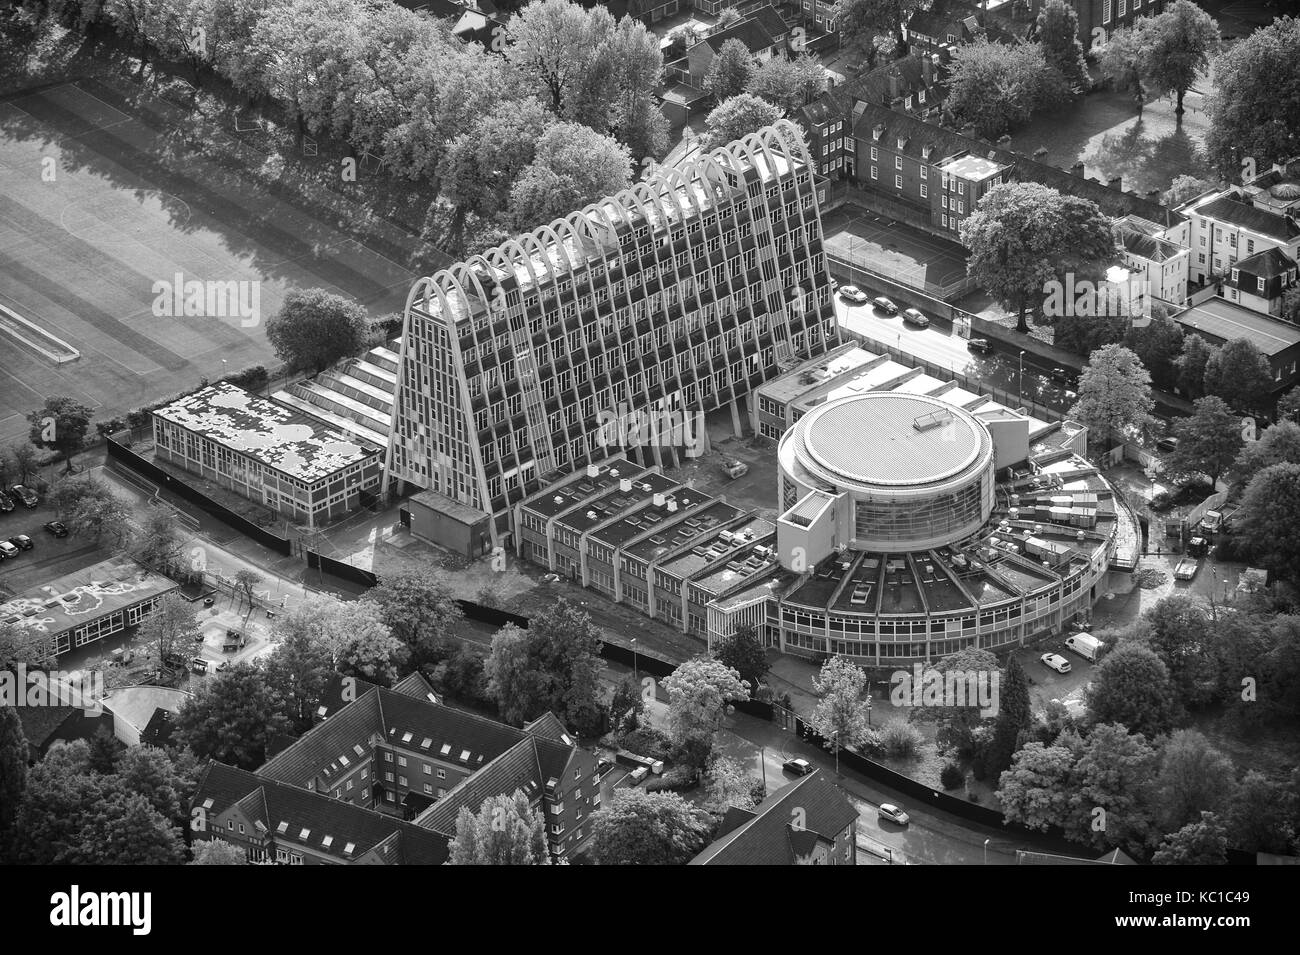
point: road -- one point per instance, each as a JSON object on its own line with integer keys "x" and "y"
{"x": 944, "y": 349}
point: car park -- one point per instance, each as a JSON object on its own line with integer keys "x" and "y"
{"x": 800, "y": 767}
{"x": 57, "y": 528}
{"x": 8, "y": 550}
{"x": 24, "y": 494}
{"x": 913, "y": 316}
{"x": 882, "y": 304}
{"x": 21, "y": 541}
{"x": 852, "y": 293}
{"x": 980, "y": 346}
{"x": 891, "y": 813}
{"x": 1055, "y": 661}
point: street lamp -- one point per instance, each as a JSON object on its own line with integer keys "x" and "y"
{"x": 986, "y": 851}
{"x": 636, "y": 675}
{"x": 1020, "y": 378}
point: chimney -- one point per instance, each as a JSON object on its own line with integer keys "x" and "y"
{"x": 893, "y": 86}
{"x": 1004, "y": 141}
{"x": 927, "y": 69}
{"x": 1077, "y": 169}
{"x": 1116, "y": 182}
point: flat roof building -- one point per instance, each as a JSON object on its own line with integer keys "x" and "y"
{"x": 677, "y": 296}
{"x": 88, "y": 604}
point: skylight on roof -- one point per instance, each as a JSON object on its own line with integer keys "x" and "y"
{"x": 464, "y": 755}
{"x": 446, "y": 748}
{"x": 344, "y": 761}
{"x": 358, "y": 750}
{"x": 305, "y": 834}
{"x": 327, "y": 842}
{"x": 282, "y": 828}
{"x": 350, "y": 848}
{"x": 426, "y": 743}
{"x": 406, "y": 737}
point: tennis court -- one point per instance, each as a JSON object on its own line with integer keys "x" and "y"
{"x": 894, "y": 249}
{"x": 99, "y": 207}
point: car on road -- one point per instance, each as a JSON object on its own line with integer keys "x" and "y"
{"x": 851, "y": 293}
{"x": 57, "y": 528}
{"x": 8, "y": 550}
{"x": 914, "y": 316}
{"x": 21, "y": 541}
{"x": 24, "y": 494}
{"x": 882, "y": 304}
{"x": 800, "y": 767}
{"x": 1055, "y": 662}
{"x": 6, "y": 504}
{"x": 980, "y": 346}
{"x": 894, "y": 814}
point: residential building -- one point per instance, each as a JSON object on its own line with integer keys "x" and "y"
{"x": 1099, "y": 19}
{"x": 1276, "y": 189}
{"x": 87, "y": 605}
{"x": 755, "y": 32}
{"x": 675, "y": 297}
{"x": 951, "y": 23}
{"x": 281, "y": 457}
{"x": 400, "y": 753}
{"x": 1229, "y": 226}
{"x": 807, "y": 822}
{"x": 643, "y": 11}
{"x": 1259, "y": 281}
{"x": 1219, "y": 320}
{"x": 1161, "y": 265}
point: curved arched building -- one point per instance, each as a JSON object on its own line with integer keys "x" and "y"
{"x": 675, "y": 297}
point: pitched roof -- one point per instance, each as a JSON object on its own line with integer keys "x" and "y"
{"x": 1239, "y": 211}
{"x": 918, "y": 133}
{"x": 317, "y": 815}
{"x": 1148, "y": 246}
{"x": 515, "y": 769}
{"x": 1268, "y": 264}
{"x": 767, "y": 836}
{"x": 549, "y": 726}
{"x": 873, "y": 87}
{"x": 751, "y": 32}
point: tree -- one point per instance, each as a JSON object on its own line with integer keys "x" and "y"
{"x": 861, "y": 20}
{"x": 170, "y": 631}
{"x": 1197, "y": 843}
{"x": 156, "y": 545}
{"x": 1121, "y": 62}
{"x": 1132, "y": 687}
{"x": 1269, "y": 518}
{"x": 1291, "y": 305}
{"x": 730, "y": 72}
{"x": 504, "y": 831}
{"x": 1034, "y": 792}
{"x": 1177, "y": 46}
{"x": 13, "y": 777}
{"x": 315, "y": 328}
{"x": 743, "y": 651}
{"x": 699, "y": 693}
{"x": 218, "y": 852}
{"x": 552, "y": 44}
{"x": 1240, "y": 375}
{"x": 245, "y": 580}
{"x": 1058, "y": 31}
{"x": 553, "y": 665}
{"x": 1024, "y": 236}
{"x": 232, "y": 717}
{"x": 1191, "y": 365}
{"x": 124, "y": 829}
{"x": 421, "y": 610}
{"x": 1254, "y": 105}
{"x": 729, "y": 786}
{"x": 626, "y": 708}
{"x": 60, "y": 425}
{"x": 1193, "y": 776}
{"x": 1260, "y": 816}
{"x": 30, "y": 648}
{"x": 351, "y": 634}
{"x": 297, "y": 672}
{"x": 1157, "y": 344}
{"x": 1178, "y": 629}
{"x": 736, "y": 118}
{"x": 645, "y": 828}
{"x": 104, "y": 521}
{"x": 1208, "y": 442}
{"x": 1013, "y": 719}
{"x": 1277, "y": 444}
{"x": 23, "y": 455}
{"x": 1113, "y": 773}
{"x": 1114, "y": 395}
{"x": 1288, "y": 406}
{"x": 786, "y": 83}
{"x": 105, "y": 748}
{"x": 572, "y": 166}
{"x": 1185, "y": 187}
{"x": 841, "y": 715}
{"x": 150, "y": 772}
{"x": 996, "y": 87}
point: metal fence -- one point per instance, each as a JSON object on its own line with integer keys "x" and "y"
{"x": 860, "y": 269}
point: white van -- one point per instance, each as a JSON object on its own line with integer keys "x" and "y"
{"x": 1086, "y": 645}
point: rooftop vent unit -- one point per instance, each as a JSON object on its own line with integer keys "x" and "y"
{"x": 625, "y": 485}
{"x": 672, "y": 507}
{"x": 593, "y": 471}
{"x": 613, "y": 472}
{"x": 656, "y": 539}
{"x": 727, "y": 536}
{"x": 559, "y": 499}
{"x": 591, "y": 515}
{"x": 933, "y": 420}
{"x": 659, "y": 500}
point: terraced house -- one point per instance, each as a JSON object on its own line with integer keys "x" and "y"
{"x": 674, "y": 297}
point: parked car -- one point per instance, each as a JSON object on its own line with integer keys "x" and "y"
{"x": 914, "y": 316}
{"x": 735, "y": 469}
{"x": 8, "y": 550}
{"x": 894, "y": 814}
{"x": 1169, "y": 445}
{"x": 852, "y": 293}
{"x": 980, "y": 346}
{"x": 1055, "y": 662}
{"x": 800, "y": 767}
{"x": 1086, "y": 645}
{"x": 882, "y": 304}
{"x": 1198, "y": 547}
{"x": 199, "y": 665}
{"x": 57, "y": 528}
{"x": 24, "y": 494}
{"x": 21, "y": 541}
{"x": 6, "y": 504}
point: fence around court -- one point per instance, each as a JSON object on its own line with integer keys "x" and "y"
{"x": 867, "y": 271}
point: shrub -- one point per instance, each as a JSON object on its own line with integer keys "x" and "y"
{"x": 677, "y": 779}
{"x": 900, "y": 740}
{"x": 951, "y": 776}
{"x": 649, "y": 742}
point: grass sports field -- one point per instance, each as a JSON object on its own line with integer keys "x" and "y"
{"x": 98, "y": 205}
